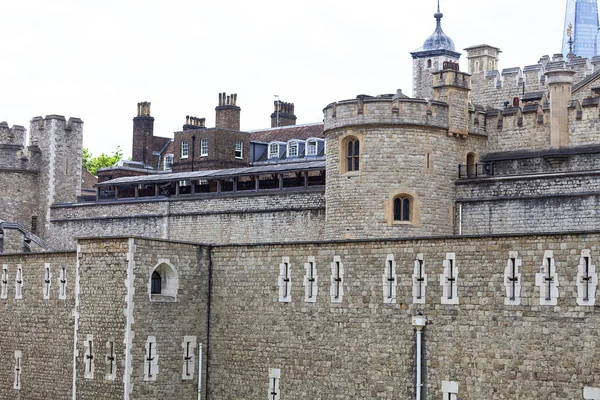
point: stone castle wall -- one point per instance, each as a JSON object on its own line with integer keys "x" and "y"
{"x": 363, "y": 348}
{"x": 360, "y": 345}
{"x": 247, "y": 218}
{"x": 41, "y": 329}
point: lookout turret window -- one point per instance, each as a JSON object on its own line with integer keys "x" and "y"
{"x": 156, "y": 282}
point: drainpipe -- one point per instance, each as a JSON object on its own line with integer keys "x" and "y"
{"x": 419, "y": 323}
{"x": 459, "y": 219}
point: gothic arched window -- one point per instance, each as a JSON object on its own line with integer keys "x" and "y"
{"x": 402, "y": 209}
{"x": 352, "y": 155}
{"x": 156, "y": 287}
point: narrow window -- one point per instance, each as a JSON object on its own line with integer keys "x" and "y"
{"x": 419, "y": 281}
{"x": 310, "y": 281}
{"x": 18, "y": 370}
{"x": 19, "y": 283}
{"x": 274, "y": 150}
{"x": 587, "y": 280}
{"x": 547, "y": 280}
{"x": 429, "y": 63}
{"x": 110, "y": 361}
{"x": 402, "y": 209}
{"x": 34, "y": 225}
{"x": 4, "y": 283}
{"x": 336, "y": 291}
{"x": 449, "y": 280}
{"x": 47, "y": 282}
{"x": 353, "y": 155}
{"x": 285, "y": 281}
{"x": 189, "y": 347}
{"x": 150, "y": 360}
{"x": 512, "y": 280}
{"x": 292, "y": 149}
{"x": 156, "y": 283}
{"x": 185, "y": 148}
{"x": 62, "y": 283}
{"x": 311, "y": 148}
{"x": 1, "y": 241}
{"x": 427, "y": 160}
{"x": 89, "y": 357}
{"x": 450, "y": 390}
{"x": 471, "y": 166}
{"x": 274, "y": 376}
{"x": 239, "y": 149}
{"x": 204, "y": 147}
{"x": 389, "y": 280}
{"x": 168, "y": 164}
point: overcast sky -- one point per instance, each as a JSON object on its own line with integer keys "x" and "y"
{"x": 97, "y": 59}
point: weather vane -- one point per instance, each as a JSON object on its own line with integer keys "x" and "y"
{"x": 570, "y": 35}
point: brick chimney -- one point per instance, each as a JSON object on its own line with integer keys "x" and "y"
{"x": 143, "y": 131}
{"x": 285, "y": 116}
{"x": 228, "y": 113}
{"x": 192, "y": 123}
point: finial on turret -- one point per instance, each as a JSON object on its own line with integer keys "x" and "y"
{"x": 438, "y": 15}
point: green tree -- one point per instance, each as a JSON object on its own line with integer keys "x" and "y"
{"x": 93, "y": 164}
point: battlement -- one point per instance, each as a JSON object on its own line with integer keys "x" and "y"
{"x": 40, "y": 127}
{"x": 14, "y": 136}
{"x": 387, "y": 110}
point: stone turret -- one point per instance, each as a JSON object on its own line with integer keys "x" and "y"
{"x": 228, "y": 113}
{"x": 452, "y": 87}
{"x": 560, "y": 83}
{"x": 437, "y": 49}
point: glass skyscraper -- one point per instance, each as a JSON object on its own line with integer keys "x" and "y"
{"x": 583, "y": 15}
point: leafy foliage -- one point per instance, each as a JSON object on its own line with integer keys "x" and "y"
{"x": 93, "y": 164}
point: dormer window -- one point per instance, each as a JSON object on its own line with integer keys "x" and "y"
{"x": 185, "y": 149}
{"x": 274, "y": 150}
{"x": 168, "y": 162}
{"x": 311, "y": 148}
{"x": 292, "y": 149}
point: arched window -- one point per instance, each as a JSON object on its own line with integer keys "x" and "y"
{"x": 292, "y": 149}
{"x": 402, "y": 209}
{"x": 429, "y": 63}
{"x": 273, "y": 150}
{"x": 353, "y": 155}
{"x": 163, "y": 284}
{"x": 156, "y": 283}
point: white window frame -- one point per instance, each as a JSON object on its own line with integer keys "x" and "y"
{"x": 508, "y": 275}
{"x": 450, "y": 390}
{"x": 168, "y": 162}
{"x": 548, "y": 269}
{"x": 4, "y": 283}
{"x": 189, "y": 358}
{"x": 390, "y": 280}
{"x": 449, "y": 288}
{"x": 591, "y": 283}
{"x": 284, "y": 281}
{"x": 185, "y": 149}
{"x": 111, "y": 364}
{"x": 151, "y": 365}
{"x": 239, "y": 147}
{"x": 311, "y": 287}
{"x": 62, "y": 283}
{"x": 337, "y": 295}
{"x": 47, "y": 282}
{"x": 274, "y": 377}
{"x": 204, "y": 147}
{"x": 312, "y": 144}
{"x": 419, "y": 273}
{"x": 292, "y": 145}
{"x": 19, "y": 286}
{"x": 18, "y": 370}
{"x": 273, "y": 154}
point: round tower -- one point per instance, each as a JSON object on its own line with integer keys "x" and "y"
{"x": 392, "y": 161}
{"x": 437, "y": 49}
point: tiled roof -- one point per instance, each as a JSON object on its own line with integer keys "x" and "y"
{"x": 285, "y": 133}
